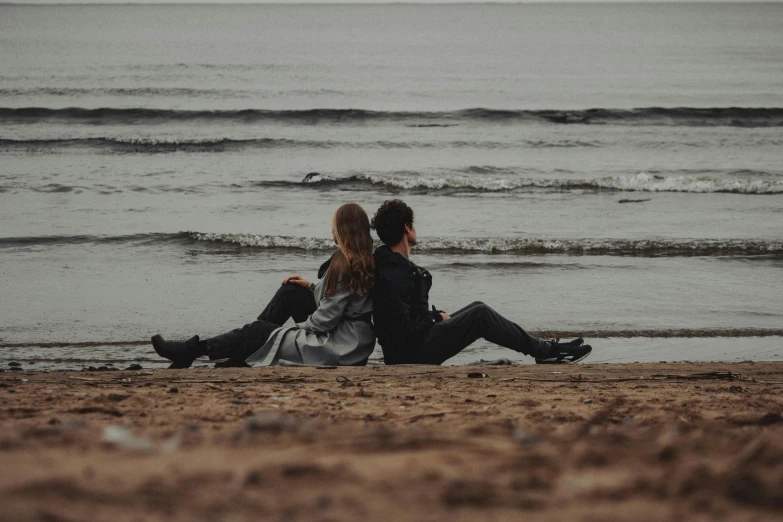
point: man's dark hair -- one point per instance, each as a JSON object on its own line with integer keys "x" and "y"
{"x": 390, "y": 220}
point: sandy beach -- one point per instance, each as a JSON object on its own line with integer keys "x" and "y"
{"x": 584, "y": 442}
{"x": 610, "y": 171}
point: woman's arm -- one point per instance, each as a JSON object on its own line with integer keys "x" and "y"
{"x": 301, "y": 281}
{"x": 329, "y": 312}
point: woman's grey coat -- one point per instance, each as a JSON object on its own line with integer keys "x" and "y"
{"x": 336, "y": 334}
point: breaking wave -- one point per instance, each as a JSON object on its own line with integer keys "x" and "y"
{"x": 642, "y": 182}
{"x": 676, "y": 116}
{"x": 436, "y": 245}
{"x": 459, "y": 246}
{"x": 153, "y": 145}
{"x": 179, "y": 92}
{"x": 59, "y": 240}
{"x": 459, "y": 181}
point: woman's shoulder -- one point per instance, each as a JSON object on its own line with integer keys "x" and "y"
{"x": 359, "y": 305}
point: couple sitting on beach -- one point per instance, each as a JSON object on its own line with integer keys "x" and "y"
{"x": 334, "y": 318}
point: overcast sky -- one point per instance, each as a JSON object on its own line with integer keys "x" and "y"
{"x": 357, "y": 1}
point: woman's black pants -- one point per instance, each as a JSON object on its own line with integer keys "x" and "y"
{"x": 290, "y": 301}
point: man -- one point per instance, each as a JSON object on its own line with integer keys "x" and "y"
{"x": 411, "y": 333}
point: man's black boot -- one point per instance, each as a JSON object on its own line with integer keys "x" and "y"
{"x": 181, "y": 354}
{"x": 555, "y": 352}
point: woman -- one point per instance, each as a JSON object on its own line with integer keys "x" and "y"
{"x": 338, "y": 331}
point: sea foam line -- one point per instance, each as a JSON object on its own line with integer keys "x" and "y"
{"x": 468, "y": 180}
{"x": 433, "y": 245}
{"x": 640, "y": 247}
{"x": 163, "y": 145}
{"x": 641, "y": 182}
{"x": 667, "y": 116}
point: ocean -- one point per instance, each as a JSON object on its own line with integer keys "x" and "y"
{"x": 606, "y": 170}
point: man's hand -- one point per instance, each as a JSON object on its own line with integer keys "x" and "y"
{"x": 443, "y": 314}
{"x": 296, "y": 279}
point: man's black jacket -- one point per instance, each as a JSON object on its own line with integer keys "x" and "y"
{"x": 402, "y": 315}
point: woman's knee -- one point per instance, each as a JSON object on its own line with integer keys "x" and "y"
{"x": 291, "y": 291}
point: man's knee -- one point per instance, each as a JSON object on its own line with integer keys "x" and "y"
{"x": 483, "y": 308}
{"x": 477, "y": 308}
{"x": 484, "y": 312}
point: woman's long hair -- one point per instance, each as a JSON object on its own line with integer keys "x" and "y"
{"x": 352, "y": 265}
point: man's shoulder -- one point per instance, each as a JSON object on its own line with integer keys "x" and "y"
{"x": 391, "y": 268}
{"x": 385, "y": 257}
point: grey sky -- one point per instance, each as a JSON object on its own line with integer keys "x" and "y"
{"x": 360, "y": 1}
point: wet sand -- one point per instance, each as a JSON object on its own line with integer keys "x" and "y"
{"x": 681, "y": 441}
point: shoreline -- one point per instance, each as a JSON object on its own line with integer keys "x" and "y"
{"x": 590, "y": 441}
{"x": 84, "y": 356}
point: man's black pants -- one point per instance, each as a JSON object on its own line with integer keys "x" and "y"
{"x": 475, "y": 321}
{"x": 289, "y": 301}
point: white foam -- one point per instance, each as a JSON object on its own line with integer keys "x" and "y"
{"x": 262, "y": 241}
{"x": 641, "y": 182}
{"x": 597, "y": 246}
{"x": 502, "y": 245}
{"x": 652, "y": 183}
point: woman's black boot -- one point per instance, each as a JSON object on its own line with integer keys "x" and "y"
{"x": 232, "y": 363}
{"x": 181, "y": 354}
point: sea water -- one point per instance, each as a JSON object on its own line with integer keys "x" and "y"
{"x": 611, "y": 170}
